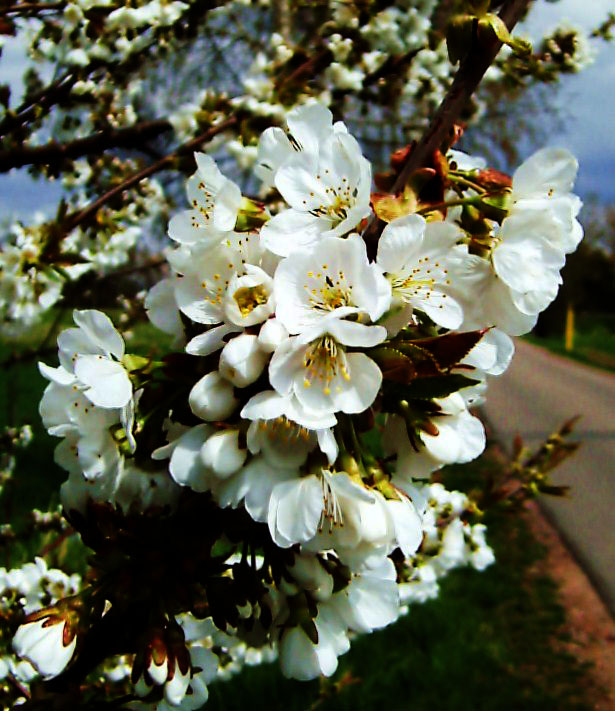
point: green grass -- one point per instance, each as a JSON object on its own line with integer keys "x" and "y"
{"x": 596, "y": 347}
{"x": 594, "y": 340}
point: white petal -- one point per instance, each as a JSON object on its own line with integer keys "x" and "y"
{"x": 60, "y": 375}
{"x": 189, "y": 227}
{"x": 400, "y": 242}
{"x": 162, "y": 308}
{"x": 295, "y": 510}
{"x": 210, "y": 341}
{"x": 328, "y": 444}
{"x": 108, "y": 383}
{"x": 351, "y": 333}
{"x": 186, "y": 466}
{"x": 309, "y": 125}
{"x": 547, "y": 169}
{"x": 291, "y": 230}
{"x": 441, "y": 308}
{"x": 365, "y": 381}
{"x": 267, "y": 405}
{"x": 100, "y": 330}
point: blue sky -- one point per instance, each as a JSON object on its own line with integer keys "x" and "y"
{"x": 586, "y": 101}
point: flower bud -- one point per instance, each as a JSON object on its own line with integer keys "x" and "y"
{"x": 157, "y": 658}
{"x": 212, "y": 398}
{"x": 242, "y": 360}
{"x": 47, "y": 641}
{"x": 180, "y": 670}
{"x": 271, "y": 335}
{"x": 310, "y": 574}
{"x": 222, "y": 454}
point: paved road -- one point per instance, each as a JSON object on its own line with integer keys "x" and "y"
{"x": 537, "y": 393}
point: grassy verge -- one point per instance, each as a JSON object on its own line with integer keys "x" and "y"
{"x": 595, "y": 347}
{"x": 490, "y": 642}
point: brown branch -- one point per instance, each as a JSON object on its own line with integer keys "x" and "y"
{"x": 37, "y": 102}
{"x": 32, "y": 7}
{"x": 100, "y": 141}
{"x": 79, "y": 217}
{"x": 466, "y": 81}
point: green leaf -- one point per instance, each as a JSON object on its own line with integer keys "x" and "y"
{"x": 494, "y": 23}
{"x": 134, "y": 362}
{"x": 394, "y": 364}
{"x": 445, "y": 351}
{"x": 428, "y": 388}
{"x": 423, "y": 361}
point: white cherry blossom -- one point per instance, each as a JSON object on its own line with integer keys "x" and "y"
{"x": 332, "y": 278}
{"x": 308, "y": 127}
{"x": 543, "y": 183}
{"x": 46, "y": 644}
{"x": 327, "y": 197}
{"x": 92, "y": 353}
{"x": 323, "y": 377}
{"x": 284, "y": 432}
{"x": 215, "y": 203}
{"x": 415, "y": 257}
{"x": 454, "y": 436}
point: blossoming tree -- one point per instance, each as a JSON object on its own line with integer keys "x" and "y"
{"x": 236, "y": 501}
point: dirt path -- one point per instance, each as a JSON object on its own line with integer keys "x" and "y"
{"x": 589, "y": 625}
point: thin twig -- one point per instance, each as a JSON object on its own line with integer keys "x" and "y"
{"x": 37, "y": 102}
{"x": 79, "y": 217}
{"x": 18, "y": 685}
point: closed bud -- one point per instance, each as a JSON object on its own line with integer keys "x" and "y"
{"x": 47, "y": 640}
{"x": 212, "y": 398}
{"x": 271, "y": 335}
{"x": 180, "y": 668}
{"x": 157, "y": 657}
{"x": 222, "y": 454}
{"x": 242, "y": 360}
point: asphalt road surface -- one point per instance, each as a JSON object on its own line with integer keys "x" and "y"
{"x": 533, "y": 398}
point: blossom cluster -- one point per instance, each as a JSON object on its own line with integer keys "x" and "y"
{"x": 386, "y": 58}
{"x": 34, "y": 271}
{"x": 247, "y": 462}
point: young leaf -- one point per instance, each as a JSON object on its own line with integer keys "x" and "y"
{"x": 449, "y": 349}
{"x": 394, "y": 364}
{"x": 437, "y": 387}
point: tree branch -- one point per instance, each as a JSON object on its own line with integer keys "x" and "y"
{"x": 78, "y": 218}
{"x": 100, "y": 141}
{"x": 32, "y": 7}
{"x": 467, "y": 79}
{"x": 37, "y": 102}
